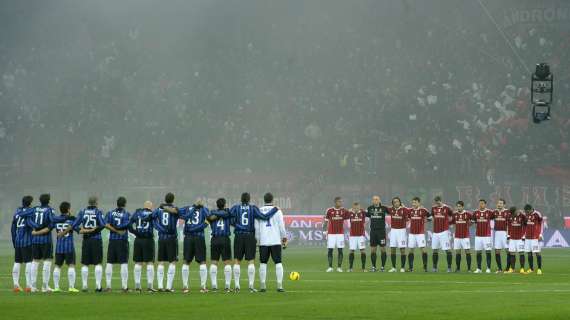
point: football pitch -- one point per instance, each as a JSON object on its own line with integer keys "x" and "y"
{"x": 317, "y": 295}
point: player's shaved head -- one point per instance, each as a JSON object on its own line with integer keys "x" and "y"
{"x": 376, "y": 200}
{"x": 147, "y": 205}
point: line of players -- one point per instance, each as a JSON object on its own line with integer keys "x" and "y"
{"x": 32, "y": 239}
{"x": 515, "y": 231}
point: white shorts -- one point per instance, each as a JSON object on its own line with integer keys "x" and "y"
{"x": 416, "y": 241}
{"x": 516, "y": 245}
{"x": 461, "y": 243}
{"x": 357, "y": 242}
{"x": 440, "y": 241}
{"x": 483, "y": 243}
{"x": 501, "y": 240}
{"x": 531, "y": 245}
{"x": 335, "y": 240}
{"x": 398, "y": 238}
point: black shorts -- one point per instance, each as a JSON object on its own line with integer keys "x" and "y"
{"x": 168, "y": 250}
{"x": 220, "y": 246}
{"x": 91, "y": 251}
{"x": 273, "y": 251}
{"x": 68, "y": 258}
{"x": 377, "y": 238}
{"x": 143, "y": 250}
{"x": 194, "y": 249}
{"x": 118, "y": 251}
{"x": 42, "y": 251}
{"x": 23, "y": 254}
{"x": 244, "y": 246}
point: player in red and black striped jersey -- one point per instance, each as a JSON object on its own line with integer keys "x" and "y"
{"x": 334, "y": 229}
{"x": 417, "y": 216}
{"x": 483, "y": 217}
{"x": 516, "y": 228}
{"x": 357, "y": 239}
{"x": 533, "y": 235}
{"x": 398, "y": 238}
{"x": 462, "y": 221}
{"x": 440, "y": 239}
{"x": 501, "y": 215}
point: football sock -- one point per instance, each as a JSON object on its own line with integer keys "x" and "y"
{"x": 71, "y": 277}
{"x": 250, "y": 274}
{"x": 340, "y": 257}
{"x": 330, "y": 257}
{"x": 363, "y": 260}
{"x": 108, "y": 275}
{"x": 411, "y": 260}
{"x": 228, "y": 275}
{"x": 508, "y": 266}
{"x": 98, "y": 275}
{"x": 214, "y": 275}
{"x": 351, "y": 259}
{"x": 138, "y": 275}
{"x": 373, "y": 259}
{"x": 34, "y": 274}
{"x": 449, "y": 257}
{"x": 425, "y": 259}
{"x": 402, "y": 260}
{"x": 124, "y": 275}
{"x": 150, "y": 275}
{"x": 488, "y": 256}
{"x": 28, "y": 274}
{"x": 46, "y": 273}
{"x": 383, "y": 258}
{"x": 170, "y": 276}
{"x": 160, "y": 276}
{"x": 435, "y": 258}
{"x": 479, "y": 259}
{"x": 498, "y": 261}
{"x": 539, "y": 261}
{"x": 458, "y": 261}
{"x": 531, "y": 261}
{"x": 56, "y": 274}
{"x": 279, "y": 275}
{"x": 262, "y": 275}
{"x": 393, "y": 259}
{"x": 185, "y": 275}
{"x": 468, "y": 258}
{"x": 522, "y": 260}
{"x": 237, "y": 271}
{"x": 84, "y": 276}
{"x": 16, "y": 275}
{"x": 203, "y": 275}
{"x": 512, "y": 260}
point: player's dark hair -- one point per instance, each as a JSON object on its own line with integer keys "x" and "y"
{"x": 502, "y": 200}
{"x": 27, "y": 201}
{"x": 513, "y": 210}
{"x": 396, "y": 198}
{"x": 268, "y": 197}
{"x": 416, "y": 199}
{"x": 245, "y": 198}
{"x": 221, "y": 203}
{"x": 483, "y": 200}
{"x": 527, "y": 207}
{"x": 437, "y": 198}
{"x": 92, "y": 201}
{"x": 121, "y": 202}
{"x": 64, "y": 207}
{"x": 461, "y": 203}
{"x": 44, "y": 199}
{"x": 169, "y": 198}
{"x": 337, "y": 199}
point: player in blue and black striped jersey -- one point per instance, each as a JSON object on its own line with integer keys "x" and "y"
{"x": 220, "y": 244}
{"x": 64, "y": 247}
{"x": 194, "y": 243}
{"x": 243, "y": 217}
{"x": 22, "y": 242}
{"x": 143, "y": 252}
{"x": 165, "y": 219}
{"x": 90, "y": 222}
{"x": 117, "y": 221}
{"x": 42, "y": 249}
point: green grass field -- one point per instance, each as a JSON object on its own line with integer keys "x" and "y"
{"x": 318, "y": 295}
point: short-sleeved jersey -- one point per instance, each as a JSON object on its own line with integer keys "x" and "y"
{"x": 462, "y": 222}
{"x": 41, "y": 218}
{"x": 221, "y": 226}
{"x": 119, "y": 219}
{"x": 194, "y": 220}
{"x": 165, "y": 222}
{"x": 441, "y": 218}
{"x": 335, "y": 218}
{"x": 517, "y": 226}
{"x": 377, "y": 216}
{"x": 417, "y": 218}
{"x": 398, "y": 217}
{"x": 61, "y": 223}
{"x": 357, "y": 221}
{"x": 141, "y": 224}
{"x": 501, "y": 217}
{"x": 533, "y": 228}
{"x": 21, "y": 231}
{"x": 483, "y": 219}
{"x": 90, "y": 218}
